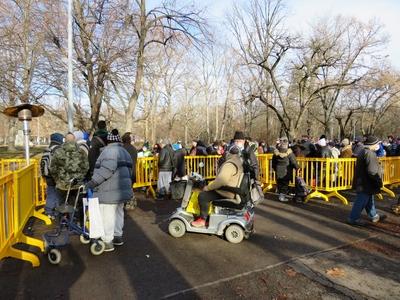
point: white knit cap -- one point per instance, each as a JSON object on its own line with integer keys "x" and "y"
{"x": 322, "y": 142}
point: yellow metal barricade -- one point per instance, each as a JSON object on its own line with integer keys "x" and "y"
{"x": 20, "y": 205}
{"x": 146, "y": 173}
{"x": 391, "y": 172}
{"x": 206, "y": 166}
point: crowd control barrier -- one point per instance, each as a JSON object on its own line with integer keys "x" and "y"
{"x": 17, "y": 196}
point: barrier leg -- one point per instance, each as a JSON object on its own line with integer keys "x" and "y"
{"x": 316, "y": 194}
{"x": 267, "y": 188}
{"x": 23, "y": 255}
{"x": 151, "y": 191}
{"x": 31, "y": 241}
{"x": 340, "y": 197}
{"x": 42, "y": 217}
{"x": 379, "y": 196}
{"x": 40, "y": 210}
{"x": 389, "y": 192}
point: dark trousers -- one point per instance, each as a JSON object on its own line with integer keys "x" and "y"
{"x": 204, "y": 201}
{"x": 283, "y": 185}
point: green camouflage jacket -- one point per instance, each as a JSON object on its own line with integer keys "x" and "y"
{"x": 67, "y": 163}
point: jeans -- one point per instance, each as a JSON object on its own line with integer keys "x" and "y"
{"x": 283, "y": 185}
{"x": 53, "y": 199}
{"x": 363, "y": 201}
{"x": 113, "y": 220}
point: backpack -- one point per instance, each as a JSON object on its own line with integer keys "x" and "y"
{"x": 101, "y": 142}
{"x": 45, "y": 161}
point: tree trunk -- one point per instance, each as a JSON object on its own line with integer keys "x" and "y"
{"x": 12, "y": 126}
{"x": 139, "y": 70}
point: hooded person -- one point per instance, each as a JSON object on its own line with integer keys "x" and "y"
{"x": 112, "y": 185}
{"x": 323, "y": 150}
{"x": 53, "y": 197}
{"x": 229, "y": 175}
{"x": 80, "y": 140}
{"x": 167, "y": 169}
{"x": 283, "y": 163}
{"x": 98, "y": 142}
{"x": 367, "y": 182}
{"x": 345, "y": 151}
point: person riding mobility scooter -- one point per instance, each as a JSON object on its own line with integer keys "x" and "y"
{"x": 231, "y": 212}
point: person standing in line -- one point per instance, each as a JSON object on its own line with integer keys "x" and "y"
{"x": 283, "y": 163}
{"x": 53, "y": 197}
{"x": 166, "y": 168}
{"x": 127, "y": 144}
{"x": 367, "y": 182}
{"x": 97, "y": 144}
{"x": 112, "y": 185}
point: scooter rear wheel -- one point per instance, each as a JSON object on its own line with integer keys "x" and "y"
{"x": 177, "y": 228}
{"x": 234, "y": 234}
{"x": 84, "y": 239}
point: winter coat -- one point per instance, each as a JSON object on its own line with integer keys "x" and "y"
{"x": 324, "y": 152}
{"x": 368, "y": 173}
{"x": 112, "y": 176}
{"x": 166, "y": 160}
{"x": 309, "y": 149}
{"x": 99, "y": 141}
{"x": 230, "y": 175}
{"x": 357, "y": 149}
{"x": 346, "y": 152}
{"x": 69, "y": 162}
{"x": 180, "y": 162}
{"x": 335, "y": 152}
{"x": 284, "y": 163}
{"x": 134, "y": 154}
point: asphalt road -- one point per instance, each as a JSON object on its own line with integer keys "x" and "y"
{"x": 152, "y": 265}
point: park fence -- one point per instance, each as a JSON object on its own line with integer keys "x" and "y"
{"x": 22, "y": 189}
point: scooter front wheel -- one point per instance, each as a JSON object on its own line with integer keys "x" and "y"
{"x": 97, "y": 247}
{"x": 177, "y": 228}
{"x": 54, "y": 256}
{"x": 234, "y": 234}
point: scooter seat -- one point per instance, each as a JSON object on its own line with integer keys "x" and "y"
{"x": 228, "y": 204}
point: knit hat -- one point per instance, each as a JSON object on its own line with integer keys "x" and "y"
{"x": 239, "y": 135}
{"x": 345, "y": 142}
{"x": 371, "y": 140}
{"x": 78, "y": 135}
{"x": 113, "y": 137}
{"x": 322, "y": 142}
{"x": 57, "y": 138}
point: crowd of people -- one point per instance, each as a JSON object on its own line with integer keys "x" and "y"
{"x": 106, "y": 164}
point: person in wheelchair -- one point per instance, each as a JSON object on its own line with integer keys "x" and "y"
{"x": 229, "y": 178}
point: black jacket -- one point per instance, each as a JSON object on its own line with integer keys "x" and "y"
{"x": 180, "y": 162}
{"x": 166, "y": 159}
{"x": 96, "y": 144}
{"x": 133, "y": 153}
{"x": 284, "y": 163}
{"x": 368, "y": 174}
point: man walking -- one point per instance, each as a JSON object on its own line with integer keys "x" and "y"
{"x": 367, "y": 182}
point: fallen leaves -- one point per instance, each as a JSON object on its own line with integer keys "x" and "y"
{"x": 290, "y": 272}
{"x": 335, "y": 272}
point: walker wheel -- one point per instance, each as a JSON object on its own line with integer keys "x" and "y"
{"x": 84, "y": 239}
{"x": 97, "y": 247}
{"x": 54, "y": 256}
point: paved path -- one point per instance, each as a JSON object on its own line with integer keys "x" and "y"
{"x": 287, "y": 257}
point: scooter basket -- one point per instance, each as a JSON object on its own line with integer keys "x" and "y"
{"x": 178, "y": 189}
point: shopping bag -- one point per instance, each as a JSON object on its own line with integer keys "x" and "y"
{"x": 92, "y": 217}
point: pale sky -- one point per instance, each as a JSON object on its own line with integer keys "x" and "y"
{"x": 301, "y": 13}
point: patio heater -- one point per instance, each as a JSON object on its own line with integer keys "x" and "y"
{"x": 25, "y": 113}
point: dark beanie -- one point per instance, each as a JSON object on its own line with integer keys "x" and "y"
{"x": 371, "y": 140}
{"x": 57, "y": 138}
{"x": 239, "y": 135}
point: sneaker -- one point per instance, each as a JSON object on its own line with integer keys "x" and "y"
{"x": 109, "y": 247}
{"x": 118, "y": 241}
{"x": 199, "y": 222}
{"x": 378, "y": 218}
{"x": 51, "y": 217}
{"x": 282, "y": 198}
{"x": 358, "y": 222}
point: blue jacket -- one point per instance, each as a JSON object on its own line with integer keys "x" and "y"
{"x": 112, "y": 175}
